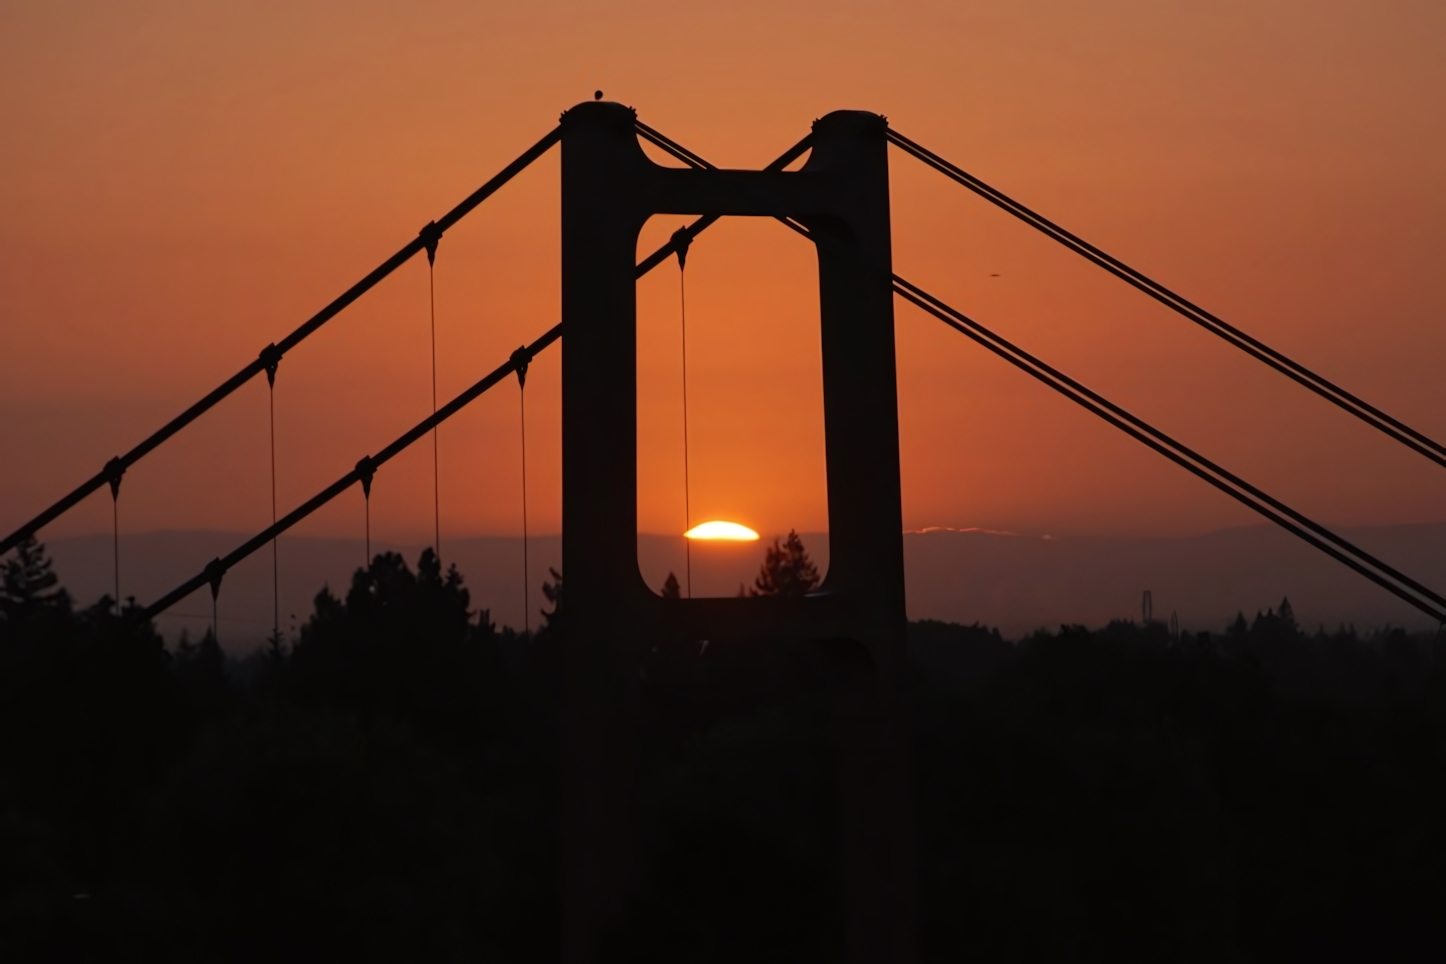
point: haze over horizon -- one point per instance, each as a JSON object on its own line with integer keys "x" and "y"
{"x": 1016, "y": 583}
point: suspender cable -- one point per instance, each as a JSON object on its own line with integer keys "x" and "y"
{"x": 687, "y": 486}
{"x": 520, "y": 361}
{"x": 526, "y": 588}
{"x": 271, "y": 363}
{"x": 430, "y": 237}
{"x": 213, "y": 574}
{"x": 681, "y": 241}
{"x": 290, "y": 341}
{"x": 436, "y": 457}
{"x": 115, "y": 547}
{"x": 364, "y": 471}
{"x": 275, "y": 551}
{"x": 113, "y": 471}
{"x": 1257, "y": 349}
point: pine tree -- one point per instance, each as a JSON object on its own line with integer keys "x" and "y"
{"x": 787, "y": 570}
{"x": 1287, "y": 617}
{"x": 201, "y": 670}
{"x": 27, "y": 584}
{"x": 671, "y": 589}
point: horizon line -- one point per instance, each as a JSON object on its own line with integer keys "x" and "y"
{"x": 422, "y": 541}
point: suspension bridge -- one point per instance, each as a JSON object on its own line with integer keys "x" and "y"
{"x": 428, "y": 239}
{"x": 837, "y": 200}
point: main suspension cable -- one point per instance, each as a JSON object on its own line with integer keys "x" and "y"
{"x": 1404, "y": 587}
{"x": 367, "y": 466}
{"x": 363, "y": 473}
{"x": 289, "y": 342}
{"x": 1388, "y": 578}
{"x": 1335, "y": 546}
{"x": 1292, "y": 369}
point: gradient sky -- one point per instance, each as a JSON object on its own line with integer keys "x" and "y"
{"x": 181, "y": 183}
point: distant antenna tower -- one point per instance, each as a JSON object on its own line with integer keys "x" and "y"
{"x": 1147, "y": 607}
{"x": 1174, "y": 628}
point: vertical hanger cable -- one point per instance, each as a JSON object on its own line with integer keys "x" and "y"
{"x": 436, "y": 471}
{"x": 526, "y": 603}
{"x": 275, "y": 551}
{"x": 366, "y": 470}
{"x": 215, "y": 572}
{"x": 114, "y": 470}
{"x": 271, "y": 360}
{"x": 681, "y": 240}
{"x": 115, "y": 546}
{"x": 520, "y": 361}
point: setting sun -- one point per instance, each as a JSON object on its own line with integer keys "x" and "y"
{"x": 722, "y": 530}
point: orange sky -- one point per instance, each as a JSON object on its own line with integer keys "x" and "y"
{"x": 182, "y": 183}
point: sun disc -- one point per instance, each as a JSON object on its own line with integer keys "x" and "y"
{"x": 730, "y": 531}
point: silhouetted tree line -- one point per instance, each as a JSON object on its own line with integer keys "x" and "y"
{"x": 383, "y": 787}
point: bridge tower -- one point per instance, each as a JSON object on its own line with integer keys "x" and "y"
{"x": 609, "y": 190}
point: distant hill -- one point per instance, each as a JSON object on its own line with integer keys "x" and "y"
{"x": 1018, "y": 583}
{"x": 1021, "y": 583}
